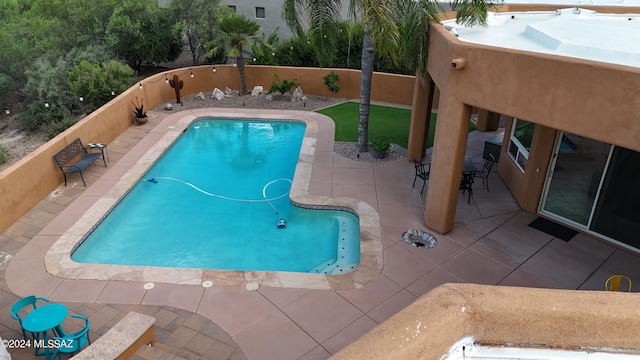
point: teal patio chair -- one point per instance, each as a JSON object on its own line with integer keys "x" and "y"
{"x": 26, "y": 304}
{"x": 73, "y": 343}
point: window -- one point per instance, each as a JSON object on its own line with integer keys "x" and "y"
{"x": 520, "y": 142}
{"x": 260, "y": 12}
{"x": 232, "y": 7}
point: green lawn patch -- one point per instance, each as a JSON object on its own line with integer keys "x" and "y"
{"x": 384, "y": 122}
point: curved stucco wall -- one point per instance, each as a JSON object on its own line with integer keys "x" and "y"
{"x": 502, "y": 316}
{"x": 28, "y": 181}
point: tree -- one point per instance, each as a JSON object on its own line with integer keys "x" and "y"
{"x": 386, "y": 22}
{"x": 237, "y": 32}
{"x": 197, "y": 20}
{"x": 320, "y": 16}
{"x": 142, "y": 34}
{"x": 79, "y": 23}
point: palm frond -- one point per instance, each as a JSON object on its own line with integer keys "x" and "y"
{"x": 472, "y": 12}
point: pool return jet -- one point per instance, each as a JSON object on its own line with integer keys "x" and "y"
{"x": 281, "y": 223}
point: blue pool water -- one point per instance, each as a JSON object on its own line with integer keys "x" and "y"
{"x": 218, "y": 199}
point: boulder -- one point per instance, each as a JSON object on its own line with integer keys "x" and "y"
{"x": 296, "y": 95}
{"x": 200, "y": 95}
{"x": 257, "y": 90}
{"x": 217, "y": 94}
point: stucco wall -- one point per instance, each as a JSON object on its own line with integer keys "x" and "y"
{"x": 502, "y": 316}
{"x": 28, "y": 181}
{"x": 591, "y": 99}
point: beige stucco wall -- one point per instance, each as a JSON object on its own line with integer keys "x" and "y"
{"x": 591, "y": 99}
{"x": 28, "y": 181}
{"x": 502, "y": 316}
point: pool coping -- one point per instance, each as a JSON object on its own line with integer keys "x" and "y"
{"x": 121, "y": 176}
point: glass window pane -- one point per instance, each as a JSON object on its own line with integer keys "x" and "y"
{"x": 524, "y": 132}
{"x": 260, "y": 12}
{"x": 513, "y": 149}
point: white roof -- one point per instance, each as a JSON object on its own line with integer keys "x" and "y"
{"x": 572, "y": 32}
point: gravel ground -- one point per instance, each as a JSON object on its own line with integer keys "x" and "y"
{"x": 308, "y": 103}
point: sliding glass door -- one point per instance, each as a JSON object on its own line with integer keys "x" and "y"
{"x": 595, "y": 187}
{"x": 573, "y": 178}
{"x": 617, "y": 214}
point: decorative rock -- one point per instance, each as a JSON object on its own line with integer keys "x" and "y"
{"x": 269, "y": 97}
{"x": 217, "y": 94}
{"x": 168, "y": 106}
{"x": 257, "y": 90}
{"x": 200, "y": 95}
{"x": 228, "y": 91}
{"x": 296, "y": 95}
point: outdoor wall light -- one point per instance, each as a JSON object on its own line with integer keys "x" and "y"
{"x": 113, "y": 93}
{"x": 140, "y": 86}
{"x": 458, "y": 63}
{"x": 214, "y": 69}
{"x": 7, "y": 112}
{"x": 166, "y": 79}
{"x": 191, "y": 74}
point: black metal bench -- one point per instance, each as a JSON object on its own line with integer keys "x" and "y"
{"x": 75, "y": 158}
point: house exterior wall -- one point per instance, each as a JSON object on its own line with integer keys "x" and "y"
{"x": 591, "y": 99}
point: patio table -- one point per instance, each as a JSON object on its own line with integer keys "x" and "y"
{"x": 40, "y": 321}
{"x": 469, "y": 166}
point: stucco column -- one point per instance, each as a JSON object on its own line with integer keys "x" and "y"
{"x": 447, "y": 160}
{"x": 487, "y": 120}
{"x": 420, "y": 117}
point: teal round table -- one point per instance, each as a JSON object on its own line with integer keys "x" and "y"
{"x": 40, "y": 321}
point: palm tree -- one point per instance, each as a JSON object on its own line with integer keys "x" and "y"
{"x": 400, "y": 28}
{"x": 237, "y": 31}
{"x": 321, "y": 16}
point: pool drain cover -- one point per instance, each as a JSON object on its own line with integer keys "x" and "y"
{"x": 419, "y": 238}
{"x": 149, "y": 286}
{"x": 207, "y": 284}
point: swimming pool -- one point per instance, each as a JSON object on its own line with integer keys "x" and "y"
{"x": 218, "y": 199}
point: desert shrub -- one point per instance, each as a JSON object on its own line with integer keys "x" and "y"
{"x": 283, "y": 86}
{"x": 331, "y": 82}
{"x": 94, "y": 82}
{"x": 3, "y": 155}
{"x": 54, "y": 128}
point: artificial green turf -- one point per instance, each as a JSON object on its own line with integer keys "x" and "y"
{"x": 384, "y": 123}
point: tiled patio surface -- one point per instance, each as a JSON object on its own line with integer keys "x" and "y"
{"x": 490, "y": 244}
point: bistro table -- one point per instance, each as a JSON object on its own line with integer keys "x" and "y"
{"x": 40, "y": 321}
{"x": 469, "y": 166}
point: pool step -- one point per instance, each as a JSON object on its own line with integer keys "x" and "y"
{"x": 348, "y": 250}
